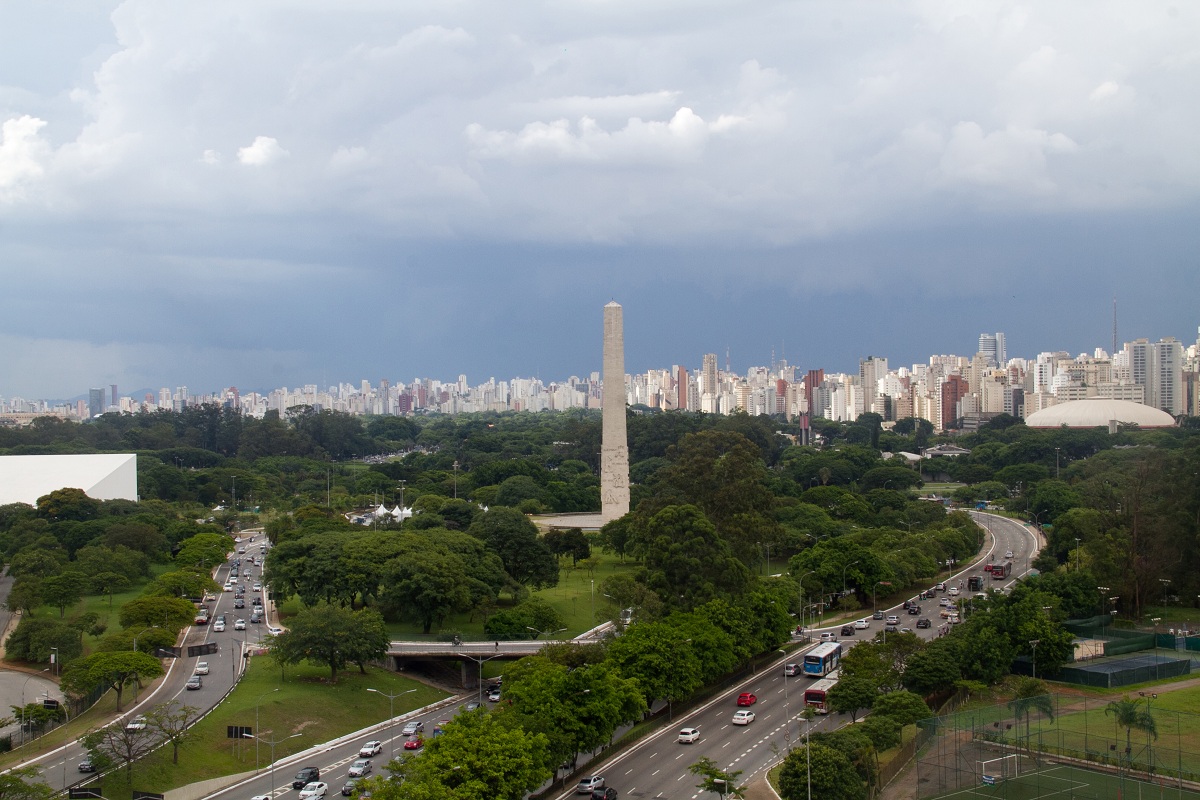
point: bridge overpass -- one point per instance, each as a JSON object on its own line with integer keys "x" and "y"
{"x": 473, "y": 654}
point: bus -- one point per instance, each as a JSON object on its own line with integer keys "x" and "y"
{"x": 822, "y": 659}
{"x": 1001, "y": 571}
{"x": 815, "y": 695}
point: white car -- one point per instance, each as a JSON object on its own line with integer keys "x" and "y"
{"x": 218, "y": 627}
{"x": 893, "y": 619}
{"x": 862, "y": 624}
{"x": 228, "y": 587}
{"x": 494, "y": 696}
{"x": 359, "y": 768}
{"x": 201, "y": 668}
{"x": 688, "y": 735}
{"x": 952, "y": 591}
{"x": 239, "y": 625}
{"x": 743, "y": 717}
{"x": 138, "y": 723}
{"x": 1008, "y": 554}
{"x": 271, "y": 629}
{"x": 371, "y": 748}
{"x": 314, "y": 789}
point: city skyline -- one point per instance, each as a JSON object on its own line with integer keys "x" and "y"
{"x": 280, "y": 195}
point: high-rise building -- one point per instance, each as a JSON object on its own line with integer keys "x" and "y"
{"x": 1166, "y": 376}
{"x": 954, "y": 389}
{"x": 112, "y": 397}
{"x": 870, "y": 371}
{"x": 682, "y": 384}
{"x": 993, "y": 348}
{"x": 708, "y": 375}
{"x": 95, "y": 402}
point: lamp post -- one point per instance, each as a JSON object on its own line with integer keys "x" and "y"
{"x": 391, "y": 721}
{"x": 873, "y": 588}
{"x": 1155, "y": 621}
{"x": 803, "y": 627}
{"x": 1034, "y": 643}
{"x": 1056, "y": 473}
{"x": 23, "y": 685}
{"x": 539, "y": 634}
{"x": 402, "y": 503}
{"x": 139, "y": 633}
{"x": 256, "y": 728}
{"x": 455, "y": 465}
{"x": 848, "y": 566}
{"x": 479, "y": 678}
{"x": 1149, "y": 746}
{"x": 272, "y": 743}
{"x": 56, "y": 667}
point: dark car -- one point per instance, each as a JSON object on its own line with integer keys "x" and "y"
{"x": 348, "y": 786}
{"x": 877, "y": 615}
{"x": 604, "y": 794}
{"x": 847, "y": 630}
{"x": 87, "y": 766}
{"x": 914, "y": 610}
{"x": 924, "y": 622}
{"x": 305, "y": 777}
{"x": 891, "y": 628}
{"x": 239, "y": 603}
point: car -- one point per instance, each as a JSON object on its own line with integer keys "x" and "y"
{"x": 218, "y": 627}
{"x": 271, "y": 629}
{"x": 952, "y": 591}
{"x": 862, "y": 624}
{"x": 359, "y": 768}
{"x": 348, "y": 786}
{"x": 905, "y": 629}
{"x": 590, "y": 784}
{"x": 256, "y": 601}
{"x": 607, "y": 793}
{"x": 256, "y": 619}
{"x": 138, "y": 723}
{"x": 828, "y": 636}
{"x": 414, "y": 742}
{"x": 415, "y": 726}
{"x": 87, "y": 766}
{"x": 743, "y": 717}
{"x": 494, "y": 696}
{"x": 847, "y": 630}
{"x": 877, "y": 615}
{"x": 201, "y": 619}
{"x": 239, "y": 624}
{"x": 688, "y": 735}
{"x": 471, "y": 706}
{"x": 924, "y": 622}
{"x": 314, "y": 789}
{"x": 305, "y": 776}
{"x": 890, "y": 628}
{"x": 747, "y": 699}
{"x": 371, "y": 748}
{"x": 228, "y": 587}
{"x": 892, "y": 619}
{"x": 258, "y": 587}
{"x": 792, "y": 670}
{"x": 440, "y": 727}
{"x": 1008, "y": 554}
{"x": 201, "y": 667}
{"x": 945, "y": 602}
{"x": 239, "y": 603}
{"x": 193, "y": 683}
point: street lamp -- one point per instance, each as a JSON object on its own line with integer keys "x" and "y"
{"x": 272, "y": 743}
{"x": 1034, "y": 643}
{"x": 1056, "y": 473}
{"x": 23, "y": 685}
{"x": 402, "y": 503}
{"x": 1155, "y": 621}
{"x": 256, "y": 728}
{"x": 802, "y": 608}
{"x": 543, "y": 633}
{"x": 873, "y": 588}
{"x": 139, "y": 633}
{"x": 848, "y": 566}
{"x": 455, "y": 465}
{"x": 391, "y": 723}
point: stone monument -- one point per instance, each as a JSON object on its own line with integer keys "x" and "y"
{"x": 614, "y": 449}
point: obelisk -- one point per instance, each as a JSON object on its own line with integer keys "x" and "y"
{"x": 614, "y": 449}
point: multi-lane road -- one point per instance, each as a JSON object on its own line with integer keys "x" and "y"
{"x": 657, "y": 767}
{"x": 60, "y": 767}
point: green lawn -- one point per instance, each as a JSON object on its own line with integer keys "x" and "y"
{"x": 302, "y": 702}
{"x": 1065, "y": 782}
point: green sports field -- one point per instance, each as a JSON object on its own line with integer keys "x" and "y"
{"x": 1064, "y": 782}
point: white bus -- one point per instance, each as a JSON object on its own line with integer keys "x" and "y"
{"x": 822, "y": 659}
{"x": 816, "y": 695}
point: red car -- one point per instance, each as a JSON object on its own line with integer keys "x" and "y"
{"x": 414, "y": 743}
{"x": 746, "y": 699}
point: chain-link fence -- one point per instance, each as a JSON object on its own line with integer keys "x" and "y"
{"x": 1059, "y": 744}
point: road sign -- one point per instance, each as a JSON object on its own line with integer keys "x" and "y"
{"x": 237, "y": 732}
{"x": 50, "y": 704}
{"x": 87, "y": 792}
{"x": 168, "y": 652}
{"x": 201, "y": 649}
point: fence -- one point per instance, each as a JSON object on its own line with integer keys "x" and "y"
{"x": 1082, "y": 731}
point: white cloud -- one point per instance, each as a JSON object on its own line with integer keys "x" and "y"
{"x": 265, "y": 150}
{"x": 210, "y": 157}
{"x": 1012, "y": 157}
{"x": 1104, "y": 91}
{"x": 22, "y": 152}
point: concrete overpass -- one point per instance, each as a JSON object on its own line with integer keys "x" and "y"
{"x": 473, "y": 654}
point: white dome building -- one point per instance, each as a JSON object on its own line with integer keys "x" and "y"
{"x": 1099, "y": 413}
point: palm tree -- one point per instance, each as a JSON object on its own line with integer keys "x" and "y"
{"x": 1130, "y": 714}
{"x": 1031, "y": 696}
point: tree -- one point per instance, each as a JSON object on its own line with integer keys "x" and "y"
{"x": 203, "y": 551}
{"x": 67, "y": 504}
{"x": 904, "y": 707}
{"x": 173, "y": 724}
{"x": 658, "y": 656}
{"x": 852, "y": 694}
{"x": 1130, "y": 714}
{"x": 181, "y": 583}
{"x": 509, "y": 533}
{"x": 1031, "y": 696}
{"x": 111, "y": 670}
{"x": 171, "y": 613}
{"x": 333, "y": 636}
{"x": 108, "y": 583}
{"x": 833, "y": 776}
{"x": 716, "y": 780}
{"x": 934, "y": 668}
{"x": 119, "y": 744}
{"x": 25, "y": 595}
{"x": 427, "y": 584}
{"x": 883, "y": 731}
{"x": 687, "y": 562}
{"x": 476, "y": 756}
{"x": 18, "y": 784}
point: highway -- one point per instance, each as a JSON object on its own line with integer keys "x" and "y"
{"x": 657, "y": 767}
{"x": 60, "y": 767}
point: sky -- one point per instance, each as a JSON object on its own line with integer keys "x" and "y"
{"x": 282, "y": 193}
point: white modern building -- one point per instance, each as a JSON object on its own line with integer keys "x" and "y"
{"x": 23, "y": 479}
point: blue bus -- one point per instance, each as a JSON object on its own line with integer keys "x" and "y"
{"x": 822, "y": 659}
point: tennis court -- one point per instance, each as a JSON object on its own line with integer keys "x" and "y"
{"x": 1064, "y": 782}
